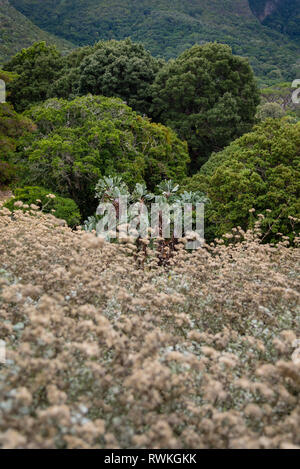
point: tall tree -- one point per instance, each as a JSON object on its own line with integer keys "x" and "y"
{"x": 258, "y": 171}
{"x": 37, "y": 67}
{"x": 12, "y": 127}
{"x": 121, "y": 69}
{"x": 79, "y": 141}
{"x": 208, "y": 95}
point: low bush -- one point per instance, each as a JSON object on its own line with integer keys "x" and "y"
{"x": 63, "y": 208}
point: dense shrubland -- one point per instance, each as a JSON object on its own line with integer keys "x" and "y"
{"x": 101, "y": 353}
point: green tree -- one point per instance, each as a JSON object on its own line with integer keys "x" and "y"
{"x": 208, "y": 96}
{"x": 79, "y": 141}
{"x": 37, "y": 67}
{"x": 167, "y": 28}
{"x": 261, "y": 171}
{"x": 120, "y": 69}
{"x": 109, "y": 68}
{"x": 281, "y": 93}
{"x": 66, "y": 85}
{"x": 12, "y": 127}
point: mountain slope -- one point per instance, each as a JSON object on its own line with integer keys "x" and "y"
{"x": 167, "y": 27}
{"x": 17, "y": 31}
{"x": 281, "y": 15}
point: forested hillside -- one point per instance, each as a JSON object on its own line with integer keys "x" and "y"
{"x": 17, "y": 31}
{"x": 281, "y": 15}
{"x": 168, "y": 27}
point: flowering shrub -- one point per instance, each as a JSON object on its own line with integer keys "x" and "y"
{"x": 102, "y": 354}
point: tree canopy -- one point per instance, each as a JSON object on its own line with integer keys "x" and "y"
{"x": 208, "y": 95}
{"x": 12, "y": 127}
{"x": 36, "y": 68}
{"x": 79, "y": 141}
{"x": 259, "y": 171}
{"x": 167, "y": 28}
{"x": 121, "y": 69}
